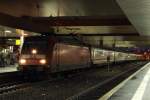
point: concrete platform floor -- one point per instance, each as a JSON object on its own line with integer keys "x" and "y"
{"x": 137, "y": 88}
{"x": 10, "y": 68}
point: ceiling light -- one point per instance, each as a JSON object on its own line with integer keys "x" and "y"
{"x": 25, "y": 34}
{"x": 8, "y": 31}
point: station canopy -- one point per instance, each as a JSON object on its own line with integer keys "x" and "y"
{"x": 137, "y": 12}
{"x": 98, "y": 23}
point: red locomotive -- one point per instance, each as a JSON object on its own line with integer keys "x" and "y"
{"x": 53, "y": 54}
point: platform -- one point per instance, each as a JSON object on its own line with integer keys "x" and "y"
{"x": 11, "y": 68}
{"x": 136, "y": 88}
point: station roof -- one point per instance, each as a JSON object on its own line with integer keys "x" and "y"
{"x": 137, "y": 12}
{"x": 89, "y": 21}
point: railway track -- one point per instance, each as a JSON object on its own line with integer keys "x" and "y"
{"x": 93, "y": 93}
{"x": 11, "y": 82}
{"x": 12, "y": 87}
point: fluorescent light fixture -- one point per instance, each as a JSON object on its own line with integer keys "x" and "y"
{"x": 8, "y": 31}
{"x": 25, "y": 34}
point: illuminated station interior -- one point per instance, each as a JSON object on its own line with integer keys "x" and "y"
{"x": 74, "y": 50}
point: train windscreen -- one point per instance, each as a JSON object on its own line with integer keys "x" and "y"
{"x": 30, "y": 44}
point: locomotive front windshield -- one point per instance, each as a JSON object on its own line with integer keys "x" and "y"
{"x": 38, "y": 44}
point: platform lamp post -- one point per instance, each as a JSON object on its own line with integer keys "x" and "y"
{"x": 58, "y": 13}
{"x": 101, "y": 44}
{"x": 101, "y": 41}
{"x": 91, "y": 59}
{"x": 108, "y": 62}
{"x": 38, "y": 9}
{"x": 114, "y": 46}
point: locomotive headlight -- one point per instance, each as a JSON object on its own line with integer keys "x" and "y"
{"x": 34, "y": 51}
{"x": 43, "y": 61}
{"x": 22, "y": 61}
